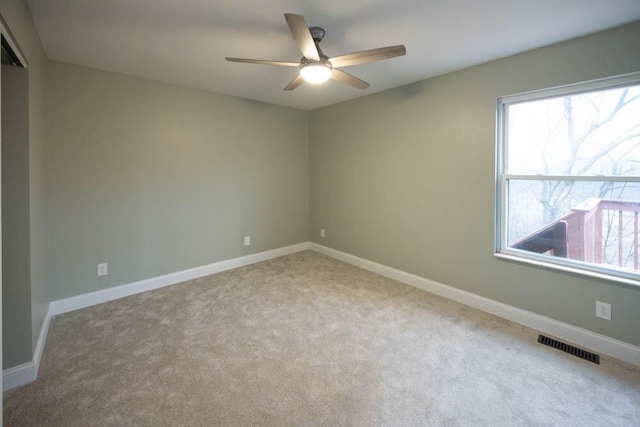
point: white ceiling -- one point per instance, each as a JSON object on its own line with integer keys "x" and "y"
{"x": 185, "y": 41}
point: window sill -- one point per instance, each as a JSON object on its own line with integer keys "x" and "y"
{"x": 567, "y": 269}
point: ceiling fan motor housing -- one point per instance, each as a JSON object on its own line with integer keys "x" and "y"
{"x": 317, "y": 34}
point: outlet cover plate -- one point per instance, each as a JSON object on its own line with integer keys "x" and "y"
{"x": 103, "y": 269}
{"x": 603, "y": 310}
{"x": 247, "y": 240}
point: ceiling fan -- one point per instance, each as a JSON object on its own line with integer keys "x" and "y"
{"x": 315, "y": 66}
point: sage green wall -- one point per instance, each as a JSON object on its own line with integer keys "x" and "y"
{"x": 16, "y": 260}
{"x": 406, "y": 178}
{"x": 153, "y": 178}
{"x": 17, "y": 17}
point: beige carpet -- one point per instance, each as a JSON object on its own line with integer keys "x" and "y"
{"x": 308, "y": 340}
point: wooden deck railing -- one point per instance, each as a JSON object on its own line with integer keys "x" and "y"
{"x": 579, "y": 235}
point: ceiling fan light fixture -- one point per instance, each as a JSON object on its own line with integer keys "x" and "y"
{"x": 316, "y": 67}
{"x": 316, "y": 72}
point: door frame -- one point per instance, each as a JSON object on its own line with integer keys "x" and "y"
{"x": 6, "y": 34}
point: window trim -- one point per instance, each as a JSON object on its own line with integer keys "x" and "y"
{"x": 501, "y": 249}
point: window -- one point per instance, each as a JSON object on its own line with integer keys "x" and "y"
{"x": 568, "y": 178}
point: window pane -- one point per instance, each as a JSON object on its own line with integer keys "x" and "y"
{"x": 596, "y": 222}
{"x": 595, "y": 133}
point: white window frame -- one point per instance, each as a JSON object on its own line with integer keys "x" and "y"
{"x": 502, "y": 250}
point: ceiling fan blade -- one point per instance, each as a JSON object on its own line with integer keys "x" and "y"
{"x": 348, "y": 79}
{"x": 302, "y": 36}
{"x": 294, "y": 83}
{"x": 365, "y": 56}
{"x": 264, "y": 62}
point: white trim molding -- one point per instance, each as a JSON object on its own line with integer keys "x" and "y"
{"x": 117, "y": 292}
{"x": 42, "y": 338}
{"x": 581, "y": 337}
{"x": 8, "y": 36}
{"x": 18, "y": 375}
{"x": 27, "y": 372}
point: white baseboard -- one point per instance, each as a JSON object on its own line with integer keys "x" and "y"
{"x": 42, "y": 338}
{"x": 581, "y": 337}
{"x": 18, "y": 375}
{"x": 25, "y": 373}
{"x": 117, "y": 292}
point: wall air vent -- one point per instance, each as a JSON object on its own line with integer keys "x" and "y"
{"x": 578, "y": 352}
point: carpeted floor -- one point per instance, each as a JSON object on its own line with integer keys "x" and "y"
{"x": 308, "y": 340}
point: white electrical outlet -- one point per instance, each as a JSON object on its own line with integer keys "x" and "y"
{"x": 247, "y": 240}
{"x": 322, "y": 232}
{"x": 603, "y": 310}
{"x": 103, "y": 269}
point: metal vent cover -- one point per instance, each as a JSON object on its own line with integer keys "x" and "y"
{"x": 578, "y": 352}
